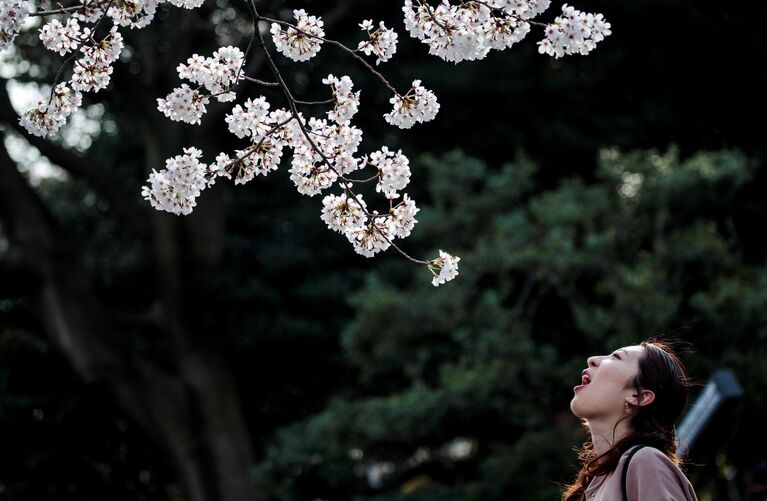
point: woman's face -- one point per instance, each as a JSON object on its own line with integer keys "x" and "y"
{"x": 608, "y": 381}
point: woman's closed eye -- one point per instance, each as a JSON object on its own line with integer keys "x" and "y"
{"x": 616, "y": 356}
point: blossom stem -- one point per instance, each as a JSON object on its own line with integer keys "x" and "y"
{"x": 326, "y": 101}
{"x": 260, "y": 82}
{"x": 62, "y": 10}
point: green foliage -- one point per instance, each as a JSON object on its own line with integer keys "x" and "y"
{"x": 547, "y": 278}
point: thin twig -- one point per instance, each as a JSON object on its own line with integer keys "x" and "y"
{"x": 260, "y": 82}
{"x": 63, "y": 10}
{"x": 326, "y": 101}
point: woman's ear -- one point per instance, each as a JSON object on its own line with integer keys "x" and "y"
{"x": 645, "y": 397}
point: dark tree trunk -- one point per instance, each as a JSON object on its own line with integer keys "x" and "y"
{"x": 192, "y": 410}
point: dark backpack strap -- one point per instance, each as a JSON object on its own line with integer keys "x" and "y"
{"x": 626, "y": 470}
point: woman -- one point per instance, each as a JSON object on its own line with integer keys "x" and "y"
{"x": 630, "y": 401}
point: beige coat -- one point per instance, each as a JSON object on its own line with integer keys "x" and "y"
{"x": 651, "y": 476}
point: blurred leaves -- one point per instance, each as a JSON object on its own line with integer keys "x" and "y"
{"x": 546, "y": 277}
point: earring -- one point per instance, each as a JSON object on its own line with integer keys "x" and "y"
{"x": 628, "y": 407}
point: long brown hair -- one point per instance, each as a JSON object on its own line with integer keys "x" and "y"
{"x": 662, "y": 372}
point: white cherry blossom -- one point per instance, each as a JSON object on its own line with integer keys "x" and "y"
{"x": 524, "y": 9}
{"x": 13, "y": 14}
{"x": 183, "y": 105}
{"x": 133, "y": 13}
{"x": 503, "y": 32}
{"x": 447, "y": 266}
{"x": 187, "y": 4}
{"x": 257, "y": 160}
{"x": 346, "y": 102}
{"x": 299, "y": 44}
{"x": 251, "y": 121}
{"x": 49, "y": 114}
{"x": 393, "y": 171}
{"x": 574, "y": 32}
{"x": 106, "y": 51}
{"x": 343, "y": 214}
{"x": 176, "y": 187}
{"x": 308, "y": 172}
{"x": 61, "y": 38}
{"x": 217, "y": 73}
{"x": 382, "y": 42}
{"x": 373, "y": 237}
{"x": 403, "y": 216}
{"x": 90, "y": 75}
{"x": 418, "y": 105}
{"x": 89, "y": 13}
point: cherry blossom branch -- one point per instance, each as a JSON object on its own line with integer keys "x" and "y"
{"x": 315, "y": 148}
{"x": 343, "y": 47}
{"x": 259, "y": 82}
{"x": 77, "y": 51}
{"x": 62, "y": 10}
{"x": 326, "y": 101}
{"x": 255, "y": 148}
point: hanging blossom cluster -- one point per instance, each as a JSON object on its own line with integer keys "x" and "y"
{"x": 574, "y": 32}
{"x": 216, "y": 74}
{"x": 324, "y": 152}
{"x": 418, "y": 105}
{"x": 93, "y": 54}
{"x": 91, "y": 73}
{"x": 178, "y": 185}
{"x": 49, "y": 115}
{"x": 382, "y": 41}
{"x": 13, "y": 13}
{"x": 471, "y": 29}
{"x": 300, "y": 42}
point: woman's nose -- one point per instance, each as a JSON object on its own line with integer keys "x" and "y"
{"x": 592, "y": 361}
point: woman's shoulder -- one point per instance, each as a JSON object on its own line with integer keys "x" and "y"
{"x": 653, "y": 474}
{"x": 647, "y": 454}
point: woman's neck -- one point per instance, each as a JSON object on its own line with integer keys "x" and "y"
{"x": 602, "y": 436}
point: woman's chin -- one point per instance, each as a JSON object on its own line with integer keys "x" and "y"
{"x": 574, "y": 407}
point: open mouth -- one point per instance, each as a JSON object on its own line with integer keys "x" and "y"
{"x": 585, "y": 380}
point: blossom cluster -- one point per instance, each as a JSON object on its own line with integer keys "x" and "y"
{"x": 382, "y": 41}
{"x": 369, "y": 233}
{"x": 61, "y": 38}
{"x": 345, "y": 101}
{"x": 299, "y": 43}
{"x": 418, "y": 105}
{"x": 217, "y": 74}
{"x": 393, "y": 171}
{"x": 324, "y": 151}
{"x": 13, "y": 13}
{"x": 470, "y": 29}
{"x": 91, "y": 73}
{"x": 48, "y": 115}
{"x": 93, "y": 70}
{"x": 176, "y": 187}
{"x": 574, "y": 32}
{"x": 447, "y": 266}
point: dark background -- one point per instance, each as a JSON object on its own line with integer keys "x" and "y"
{"x": 246, "y": 352}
